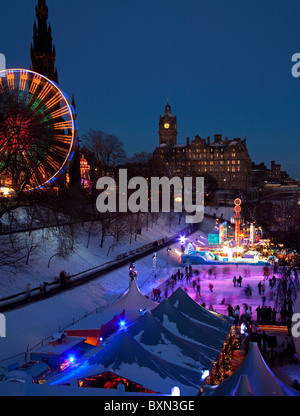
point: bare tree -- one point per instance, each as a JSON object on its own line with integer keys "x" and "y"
{"x": 107, "y": 149}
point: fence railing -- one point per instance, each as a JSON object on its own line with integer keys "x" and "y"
{"x": 138, "y": 252}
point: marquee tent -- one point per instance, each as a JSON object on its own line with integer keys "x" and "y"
{"x": 243, "y": 387}
{"x": 156, "y": 339}
{"x": 202, "y": 335}
{"x": 190, "y": 308}
{"x": 125, "y": 357}
{"x": 261, "y": 380}
{"x": 132, "y": 302}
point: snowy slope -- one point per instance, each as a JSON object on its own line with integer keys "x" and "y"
{"x": 28, "y": 326}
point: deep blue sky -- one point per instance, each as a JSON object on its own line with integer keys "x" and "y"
{"x": 225, "y": 66}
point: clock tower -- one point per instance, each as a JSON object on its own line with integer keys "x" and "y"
{"x": 168, "y": 128}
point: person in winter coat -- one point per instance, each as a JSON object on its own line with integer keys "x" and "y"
{"x": 248, "y": 314}
{"x": 239, "y": 280}
{"x": 237, "y": 315}
{"x": 234, "y": 281}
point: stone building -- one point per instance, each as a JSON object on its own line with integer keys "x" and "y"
{"x": 263, "y": 176}
{"x": 227, "y": 161}
{"x": 42, "y": 50}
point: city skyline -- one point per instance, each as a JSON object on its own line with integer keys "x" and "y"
{"x": 225, "y": 69}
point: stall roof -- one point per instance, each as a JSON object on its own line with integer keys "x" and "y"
{"x": 59, "y": 348}
{"x": 125, "y": 357}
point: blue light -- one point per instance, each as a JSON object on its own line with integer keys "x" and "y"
{"x": 122, "y": 324}
{"x": 182, "y": 239}
{"x": 100, "y": 339}
{"x": 72, "y": 359}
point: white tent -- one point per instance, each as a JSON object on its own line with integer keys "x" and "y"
{"x": 261, "y": 380}
{"x": 156, "y": 339}
{"x": 132, "y": 302}
{"x": 243, "y": 387}
{"x": 125, "y": 357}
{"x": 208, "y": 338}
{"x": 202, "y": 316}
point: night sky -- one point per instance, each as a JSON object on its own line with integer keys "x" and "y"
{"x": 224, "y": 65}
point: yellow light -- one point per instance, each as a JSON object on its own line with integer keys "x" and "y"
{"x": 45, "y": 91}
{"x": 10, "y": 79}
{"x": 35, "y": 82}
{"x": 166, "y": 125}
{"x": 60, "y": 112}
{"x": 23, "y": 79}
{"x": 54, "y": 100}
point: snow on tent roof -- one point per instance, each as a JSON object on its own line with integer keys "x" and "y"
{"x": 156, "y": 339}
{"x": 132, "y": 302}
{"x": 187, "y": 306}
{"x": 189, "y": 330}
{"x": 262, "y": 381}
{"x": 125, "y": 357}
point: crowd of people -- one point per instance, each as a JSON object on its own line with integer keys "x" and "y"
{"x": 191, "y": 279}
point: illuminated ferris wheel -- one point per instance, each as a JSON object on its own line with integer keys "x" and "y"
{"x": 38, "y": 130}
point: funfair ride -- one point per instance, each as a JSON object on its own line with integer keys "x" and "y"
{"x": 38, "y": 131}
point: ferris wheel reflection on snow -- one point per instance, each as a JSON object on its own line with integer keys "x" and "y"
{"x": 38, "y": 130}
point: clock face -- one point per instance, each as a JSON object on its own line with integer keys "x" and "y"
{"x": 166, "y": 125}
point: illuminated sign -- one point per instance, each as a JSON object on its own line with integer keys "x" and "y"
{"x": 223, "y": 232}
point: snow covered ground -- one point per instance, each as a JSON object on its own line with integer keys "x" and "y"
{"x": 42, "y": 266}
{"x": 26, "y": 327}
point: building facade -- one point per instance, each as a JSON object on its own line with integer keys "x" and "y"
{"x": 263, "y": 176}
{"x": 227, "y": 161}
